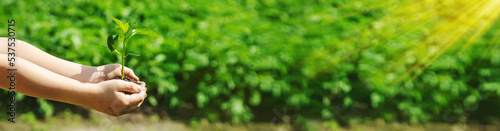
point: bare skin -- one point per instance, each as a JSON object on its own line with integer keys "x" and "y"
{"x": 42, "y": 75}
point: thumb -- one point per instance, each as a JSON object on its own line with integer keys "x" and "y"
{"x": 129, "y": 87}
{"x": 130, "y": 73}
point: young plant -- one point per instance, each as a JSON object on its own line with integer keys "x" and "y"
{"x": 125, "y": 32}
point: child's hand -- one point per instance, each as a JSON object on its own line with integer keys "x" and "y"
{"x": 117, "y": 97}
{"x": 111, "y": 71}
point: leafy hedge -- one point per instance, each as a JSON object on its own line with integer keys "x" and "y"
{"x": 241, "y": 60}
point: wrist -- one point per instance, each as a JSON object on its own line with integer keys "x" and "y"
{"x": 86, "y": 95}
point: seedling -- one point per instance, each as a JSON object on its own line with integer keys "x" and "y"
{"x": 125, "y": 32}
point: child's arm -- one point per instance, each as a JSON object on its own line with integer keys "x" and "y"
{"x": 66, "y": 68}
{"x": 107, "y": 97}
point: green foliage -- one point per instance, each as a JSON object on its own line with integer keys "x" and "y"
{"x": 229, "y": 60}
{"x": 125, "y": 32}
{"x": 331, "y": 125}
{"x": 29, "y": 118}
{"x": 45, "y": 107}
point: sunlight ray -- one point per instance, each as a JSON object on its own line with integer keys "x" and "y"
{"x": 476, "y": 34}
{"x": 440, "y": 31}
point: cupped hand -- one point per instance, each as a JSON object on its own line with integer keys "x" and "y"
{"x": 118, "y": 97}
{"x": 111, "y": 71}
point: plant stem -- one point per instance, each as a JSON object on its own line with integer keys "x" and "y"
{"x": 123, "y": 58}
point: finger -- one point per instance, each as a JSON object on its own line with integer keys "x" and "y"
{"x": 136, "y": 97}
{"x": 129, "y": 87}
{"x": 117, "y": 72}
{"x": 143, "y": 85}
{"x": 140, "y": 104}
{"x": 135, "y": 105}
{"x": 130, "y": 73}
{"x": 129, "y": 109}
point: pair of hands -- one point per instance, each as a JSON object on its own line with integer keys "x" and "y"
{"x": 82, "y": 85}
{"x": 110, "y": 96}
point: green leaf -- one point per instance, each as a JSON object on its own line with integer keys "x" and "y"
{"x": 120, "y": 30}
{"x": 28, "y": 117}
{"x": 325, "y": 113}
{"x": 326, "y": 101}
{"x": 174, "y": 101}
{"x": 116, "y": 38}
{"x": 347, "y": 102}
{"x": 345, "y": 87}
{"x": 117, "y": 21}
{"x": 129, "y": 34}
{"x": 376, "y": 99}
{"x": 144, "y": 31}
{"x": 201, "y": 99}
{"x": 111, "y": 42}
{"x": 19, "y": 97}
{"x": 255, "y": 98}
{"x": 470, "y": 100}
{"x": 124, "y": 27}
{"x": 152, "y": 101}
{"x": 45, "y": 107}
{"x": 490, "y": 86}
{"x": 133, "y": 53}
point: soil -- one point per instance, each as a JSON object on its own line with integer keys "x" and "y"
{"x": 126, "y": 78}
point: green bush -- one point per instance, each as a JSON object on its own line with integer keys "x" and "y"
{"x": 237, "y": 60}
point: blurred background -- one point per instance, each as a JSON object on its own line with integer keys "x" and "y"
{"x": 277, "y": 64}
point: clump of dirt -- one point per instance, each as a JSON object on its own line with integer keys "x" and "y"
{"x": 126, "y": 78}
